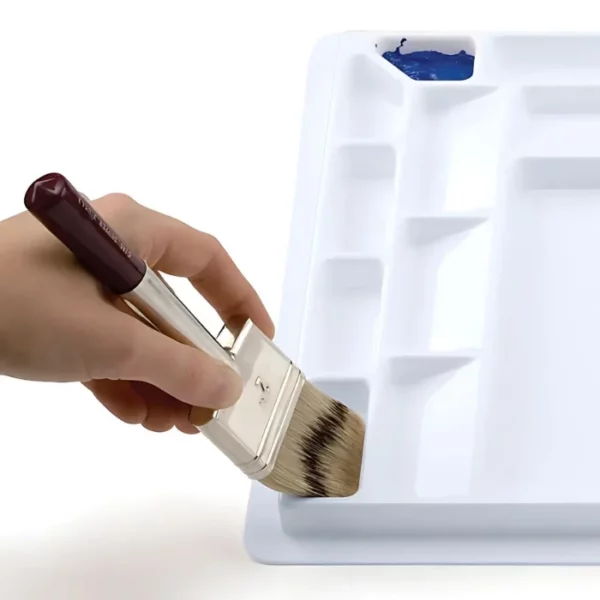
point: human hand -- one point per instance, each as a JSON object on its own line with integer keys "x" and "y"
{"x": 58, "y": 324}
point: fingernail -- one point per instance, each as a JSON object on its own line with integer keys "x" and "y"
{"x": 225, "y": 389}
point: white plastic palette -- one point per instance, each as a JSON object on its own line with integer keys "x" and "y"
{"x": 442, "y": 282}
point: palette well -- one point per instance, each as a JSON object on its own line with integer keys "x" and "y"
{"x": 441, "y": 282}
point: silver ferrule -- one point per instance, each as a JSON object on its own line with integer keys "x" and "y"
{"x": 251, "y": 431}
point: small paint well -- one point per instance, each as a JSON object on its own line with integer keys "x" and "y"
{"x": 432, "y": 65}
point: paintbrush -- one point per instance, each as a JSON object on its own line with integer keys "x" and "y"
{"x": 282, "y": 431}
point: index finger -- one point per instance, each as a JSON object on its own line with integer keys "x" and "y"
{"x": 178, "y": 249}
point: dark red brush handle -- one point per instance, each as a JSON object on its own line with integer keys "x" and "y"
{"x": 67, "y": 214}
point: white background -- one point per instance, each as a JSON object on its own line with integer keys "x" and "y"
{"x": 194, "y": 109}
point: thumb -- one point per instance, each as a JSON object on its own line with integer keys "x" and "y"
{"x": 184, "y": 372}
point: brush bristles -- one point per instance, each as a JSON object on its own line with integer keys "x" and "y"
{"x": 321, "y": 455}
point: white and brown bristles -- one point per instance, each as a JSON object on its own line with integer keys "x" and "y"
{"x": 321, "y": 455}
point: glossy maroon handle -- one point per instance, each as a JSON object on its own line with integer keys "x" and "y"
{"x": 68, "y": 215}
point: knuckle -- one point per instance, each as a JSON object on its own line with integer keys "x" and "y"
{"x": 212, "y": 243}
{"x": 124, "y": 214}
{"x": 117, "y": 204}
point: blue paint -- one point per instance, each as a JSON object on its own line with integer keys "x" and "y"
{"x": 431, "y": 65}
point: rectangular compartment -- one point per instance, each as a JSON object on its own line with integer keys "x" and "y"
{"x": 422, "y": 433}
{"x": 370, "y": 101}
{"x": 560, "y": 121}
{"x": 437, "y": 285}
{"x": 563, "y": 100}
{"x": 544, "y": 58}
{"x": 357, "y": 201}
{"x": 452, "y": 150}
{"x": 560, "y": 176}
{"x": 541, "y": 442}
{"x": 342, "y": 321}
{"x": 419, "y": 449}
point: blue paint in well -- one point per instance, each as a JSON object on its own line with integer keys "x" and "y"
{"x": 431, "y": 65}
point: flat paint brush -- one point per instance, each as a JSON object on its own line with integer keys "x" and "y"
{"x": 282, "y": 431}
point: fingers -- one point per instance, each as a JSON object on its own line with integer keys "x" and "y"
{"x": 145, "y": 355}
{"x": 173, "y": 247}
{"x": 119, "y": 399}
{"x": 135, "y": 352}
{"x": 139, "y": 403}
{"x": 163, "y": 411}
{"x": 185, "y": 252}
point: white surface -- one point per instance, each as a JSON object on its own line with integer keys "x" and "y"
{"x": 93, "y": 509}
{"x": 462, "y": 302}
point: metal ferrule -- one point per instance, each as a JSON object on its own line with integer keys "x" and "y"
{"x": 250, "y": 432}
